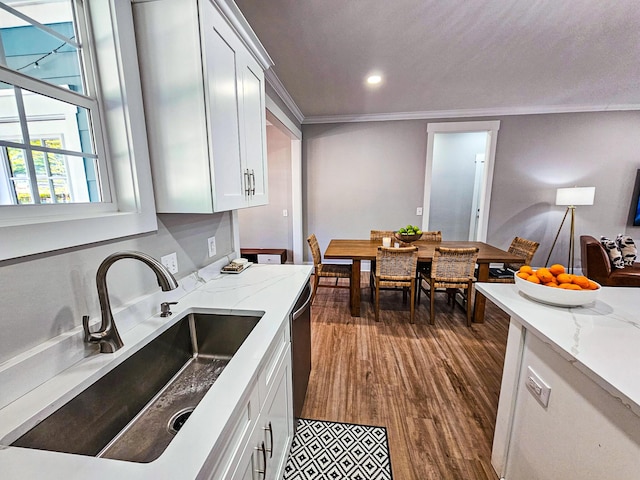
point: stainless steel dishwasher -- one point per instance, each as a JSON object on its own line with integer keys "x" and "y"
{"x": 301, "y": 348}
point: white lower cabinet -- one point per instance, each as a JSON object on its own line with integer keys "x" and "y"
{"x": 265, "y": 455}
{"x": 258, "y": 445}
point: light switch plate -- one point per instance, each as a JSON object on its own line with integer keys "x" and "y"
{"x": 419, "y": 211}
{"x": 211, "y": 242}
{"x": 171, "y": 262}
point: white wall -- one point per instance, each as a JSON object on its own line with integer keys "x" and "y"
{"x": 359, "y": 176}
{"x": 265, "y": 226}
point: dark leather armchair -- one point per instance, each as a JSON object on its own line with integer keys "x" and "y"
{"x": 597, "y": 266}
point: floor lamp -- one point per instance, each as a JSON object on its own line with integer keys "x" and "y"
{"x": 571, "y": 197}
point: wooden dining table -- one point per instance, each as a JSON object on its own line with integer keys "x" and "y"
{"x": 358, "y": 250}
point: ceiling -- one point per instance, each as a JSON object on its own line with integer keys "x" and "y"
{"x": 446, "y": 58}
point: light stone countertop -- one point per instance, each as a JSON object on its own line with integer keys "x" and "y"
{"x": 272, "y": 289}
{"x": 601, "y": 339}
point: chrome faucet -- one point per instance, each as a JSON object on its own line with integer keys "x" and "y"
{"x": 107, "y": 336}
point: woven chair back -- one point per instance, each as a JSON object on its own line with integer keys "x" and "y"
{"x": 524, "y": 248}
{"x": 396, "y": 264}
{"x": 435, "y": 236}
{"x": 380, "y": 234}
{"x": 315, "y": 249}
{"x": 455, "y": 265}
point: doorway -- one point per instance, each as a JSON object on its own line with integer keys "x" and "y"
{"x": 279, "y": 223}
{"x": 458, "y": 178}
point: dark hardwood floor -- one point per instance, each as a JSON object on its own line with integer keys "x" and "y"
{"x": 434, "y": 387}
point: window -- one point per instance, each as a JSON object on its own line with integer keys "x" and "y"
{"x": 40, "y": 40}
{"x": 71, "y": 170}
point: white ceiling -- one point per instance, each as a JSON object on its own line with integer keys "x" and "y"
{"x": 451, "y": 57}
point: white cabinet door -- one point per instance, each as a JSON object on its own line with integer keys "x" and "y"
{"x": 254, "y": 128}
{"x": 252, "y": 462}
{"x": 222, "y": 53}
{"x": 276, "y": 419}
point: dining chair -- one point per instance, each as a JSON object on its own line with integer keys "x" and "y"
{"x": 521, "y": 247}
{"x": 452, "y": 271}
{"x": 326, "y": 270}
{"x": 378, "y": 235}
{"x": 433, "y": 236}
{"x": 396, "y": 268}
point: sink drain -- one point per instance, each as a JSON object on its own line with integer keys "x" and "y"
{"x": 179, "y": 419}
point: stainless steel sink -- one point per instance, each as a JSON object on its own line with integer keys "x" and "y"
{"x": 134, "y": 411}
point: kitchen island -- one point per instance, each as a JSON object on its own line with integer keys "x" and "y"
{"x": 570, "y": 396}
{"x": 210, "y": 443}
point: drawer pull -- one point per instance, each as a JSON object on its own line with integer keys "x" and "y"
{"x": 270, "y": 449}
{"x": 264, "y": 459}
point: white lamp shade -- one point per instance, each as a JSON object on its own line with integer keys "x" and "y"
{"x": 575, "y": 196}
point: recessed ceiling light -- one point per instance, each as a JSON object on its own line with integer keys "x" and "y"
{"x": 374, "y": 79}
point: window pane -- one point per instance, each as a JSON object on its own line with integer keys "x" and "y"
{"x": 16, "y": 188}
{"x": 9, "y": 122}
{"x": 51, "y": 118}
{"x": 48, "y": 54}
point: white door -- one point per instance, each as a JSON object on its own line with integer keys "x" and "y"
{"x": 474, "y": 214}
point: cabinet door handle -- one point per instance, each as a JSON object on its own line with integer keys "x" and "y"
{"x": 270, "y": 450}
{"x": 264, "y": 460}
{"x": 253, "y": 182}
{"x": 247, "y": 183}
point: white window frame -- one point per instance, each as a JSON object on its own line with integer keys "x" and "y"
{"x": 130, "y": 209}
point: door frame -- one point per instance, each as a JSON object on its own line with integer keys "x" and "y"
{"x": 491, "y": 128}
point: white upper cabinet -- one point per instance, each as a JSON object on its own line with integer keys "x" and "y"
{"x": 204, "y": 99}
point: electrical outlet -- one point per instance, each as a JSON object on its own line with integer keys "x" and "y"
{"x": 540, "y": 390}
{"x": 419, "y": 211}
{"x": 211, "y": 243}
{"x": 285, "y": 213}
{"x": 171, "y": 262}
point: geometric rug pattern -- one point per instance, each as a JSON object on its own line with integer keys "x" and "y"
{"x": 338, "y": 451}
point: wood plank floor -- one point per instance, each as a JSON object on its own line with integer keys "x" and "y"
{"x": 434, "y": 387}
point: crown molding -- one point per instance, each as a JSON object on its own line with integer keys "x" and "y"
{"x": 467, "y": 113}
{"x": 235, "y": 18}
{"x": 280, "y": 89}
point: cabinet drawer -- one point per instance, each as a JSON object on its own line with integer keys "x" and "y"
{"x": 279, "y": 348}
{"x": 266, "y": 258}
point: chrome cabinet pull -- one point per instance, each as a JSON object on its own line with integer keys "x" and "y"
{"x": 253, "y": 182}
{"x": 247, "y": 183}
{"x": 264, "y": 459}
{"x": 270, "y": 450}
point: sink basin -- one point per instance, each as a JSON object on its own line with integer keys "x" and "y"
{"x": 133, "y": 412}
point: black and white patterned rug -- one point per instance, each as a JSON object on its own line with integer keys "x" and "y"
{"x": 338, "y": 451}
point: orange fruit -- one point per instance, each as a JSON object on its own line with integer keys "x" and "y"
{"x": 523, "y": 275}
{"x": 544, "y": 275}
{"x": 526, "y": 269}
{"x": 564, "y": 278}
{"x": 551, "y": 284}
{"x": 593, "y": 285}
{"x": 557, "y": 269}
{"x": 581, "y": 280}
{"x": 570, "y": 286}
{"x": 533, "y": 278}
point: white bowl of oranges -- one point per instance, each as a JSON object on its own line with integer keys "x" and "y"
{"x": 554, "y": 286}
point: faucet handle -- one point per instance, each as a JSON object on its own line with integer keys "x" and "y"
{"x": 165, "y": 308}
